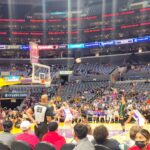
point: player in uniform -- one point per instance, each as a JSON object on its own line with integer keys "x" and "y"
{"x": 122, "y": 111}
{"x": 67, "y": 111}
{"x": 68, "y": 114}
{"x": 42, "y": 116}
{"x": 134, "y": 113}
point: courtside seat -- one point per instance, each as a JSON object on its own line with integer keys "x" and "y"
{"x": 101, "y": 147}
{"x": 20, "y": 145}
{"x": 68, "y": 146}
{"x": 4, "y": 147}
{"x": 44, "y": 146}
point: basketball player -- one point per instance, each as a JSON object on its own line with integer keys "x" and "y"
{"x": 134, "y": 113}
{"x": 42, "y": 116}
{"x": 122, "y": 111}
{"x": 68, "y": 117}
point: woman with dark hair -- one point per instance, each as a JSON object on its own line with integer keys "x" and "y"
{"x": 101, "y": 137}
{"x": 142, "y": 139}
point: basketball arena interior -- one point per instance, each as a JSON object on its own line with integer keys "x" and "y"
{"x": 74, "y": 74}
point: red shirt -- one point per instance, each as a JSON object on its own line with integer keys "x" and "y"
{"x": 55, "y": 139}
{"x": 28, "y": 138}
{"x": 137, "y": 148}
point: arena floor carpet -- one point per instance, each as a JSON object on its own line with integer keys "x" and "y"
{"x": 115, "y": 131}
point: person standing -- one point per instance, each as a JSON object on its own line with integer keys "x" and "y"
{"x": 122, "y": 111}
{"x": 42, "y": 116}
{"x": 68, "y": 114}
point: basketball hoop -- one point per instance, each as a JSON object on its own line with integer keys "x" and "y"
{"x": 41, "y": 74}
{"x": 43, "y": 81}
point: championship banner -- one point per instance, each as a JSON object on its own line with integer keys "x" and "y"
{"x": 34, "y": 52}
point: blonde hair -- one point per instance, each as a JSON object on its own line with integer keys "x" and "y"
{"x": 65, "y": 104}
{"x": 89, "y": 129}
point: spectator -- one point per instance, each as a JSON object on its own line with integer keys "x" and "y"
{"x": 26, "y": 136}
{"x": 89, "y": 135}
{"x": 142, "y": 140}
{"x": 101, "y": 137}
{"x": 6, "y": 137}
{"x": 1, "y": 120}
{"x": 133, "y": 131}
{"x": 80, "y": 135}
{"x": 53, "y": 137}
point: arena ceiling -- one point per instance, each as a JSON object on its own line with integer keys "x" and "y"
{"x": 28, "y": 7}
{"x": 27, "y": 2}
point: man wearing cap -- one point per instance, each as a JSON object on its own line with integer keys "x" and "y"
{"x": 26, "y": 136}
{"x": 42, "y": 116}
{"x": 6, "y": 137}
{"x": 53, "y": 137}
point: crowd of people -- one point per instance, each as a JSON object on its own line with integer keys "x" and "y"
{"x": 77, "y": 110}
{"x": 91, "y": 94}
{"x": 79, "y": 114}
{"x": 84, "y": 137}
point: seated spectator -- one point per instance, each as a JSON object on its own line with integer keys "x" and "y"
{"x": 26, "y": 136}
{"x": 133, "y": 131}
{"x": 6, "y": 137}
{"x": 142, "y": 139}
{"x": 89, "y": 135}
{"x": 101, "y": 137}
{"x": 80, "y": 136}
{"x": 53, "y": 137}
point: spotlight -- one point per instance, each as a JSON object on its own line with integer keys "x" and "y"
{"x": 140, "y": 50}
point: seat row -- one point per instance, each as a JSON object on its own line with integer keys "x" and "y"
{"x": 20, "y": 145}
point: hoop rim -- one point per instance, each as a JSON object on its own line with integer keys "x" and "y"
{"x": 42, "y": 81}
